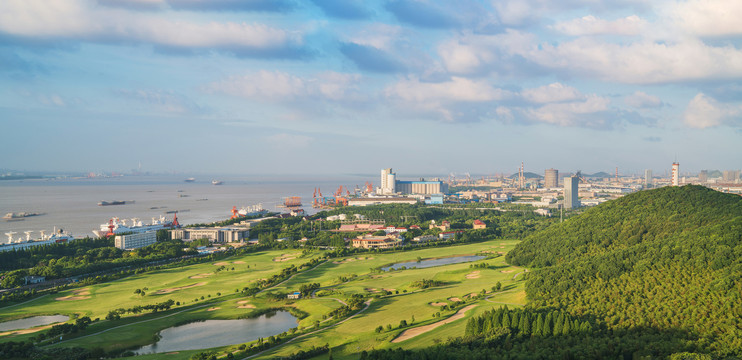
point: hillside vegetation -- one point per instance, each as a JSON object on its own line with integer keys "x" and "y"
{"x": 667, "y": 260}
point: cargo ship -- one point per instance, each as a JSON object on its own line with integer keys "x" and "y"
{"x": 216, "y": 182}
{"x": 190, "y": 180}
{"x": 119, "y": 226}
{"x": 19, "y": 215}
{"x": 115, "y": 202}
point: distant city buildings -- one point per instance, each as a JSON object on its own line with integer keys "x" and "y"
{"x": 703, "y": 176}
{"x": 730, "y": 176}
{"x": 571, "y": 192}
{"x": 388, "y": 182}
{"x": 675, "y": 174}
{"x": 551, "y": 178}
{"x": 648, "y": 178}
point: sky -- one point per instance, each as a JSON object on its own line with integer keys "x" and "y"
{"x": 351, "y": 86}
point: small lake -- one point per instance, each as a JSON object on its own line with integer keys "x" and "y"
{"x": 32, "y": 322}
{"x": 213, "y": 333}
{"x": 434, "y": 262}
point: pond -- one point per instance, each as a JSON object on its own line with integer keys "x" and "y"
{"x": 434, "y": 262}
{"x": 213, "y": 333}
{"x": 32, "y": 322}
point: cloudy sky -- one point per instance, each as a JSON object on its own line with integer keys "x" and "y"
{"x": 351, "y": 86}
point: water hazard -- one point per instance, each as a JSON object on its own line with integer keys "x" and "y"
{"x": 32, "y": 322}
{"x": 434, "y": 262}
{"x": 213, "y": 333}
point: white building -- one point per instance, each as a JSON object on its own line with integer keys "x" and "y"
{"x": 135, "y": 241}
{"x": 388, "y": 182}
{"x": 675, "y": 174}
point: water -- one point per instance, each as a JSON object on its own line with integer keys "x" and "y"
{"x": 214, "y": 333}
{"x": 72, "y": 204}
{"x": 32, "y": 322}
{"x": 434, "y": 262}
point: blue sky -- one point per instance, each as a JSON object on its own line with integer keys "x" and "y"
{"x": 351, "y": 86}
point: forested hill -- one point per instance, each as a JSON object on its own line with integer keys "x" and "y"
{"x": 668, "y": 259}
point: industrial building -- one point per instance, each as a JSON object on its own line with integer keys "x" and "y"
{"x": 421, "y": 187}
{"x": 388, "y": 182}
{"x": 214, "y": 234}
{"x": 135, "y": 241}
{"x": 571, "y": 192}
{"x": 551, "y": 178}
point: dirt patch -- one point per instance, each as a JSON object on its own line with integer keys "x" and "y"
{"x": 167, "y": 291}
{"x": 80, "y": 294}
{"x": 501, "y": 253}
{"x": 454, "y": 299}
{"x": 238, "y": 262}
{"x": 473, "y": 275}
{"x": 506, "y": 271}
{"x": 221, "y": 263}
{"x": 200, "y": 276}
{"x": 411, "y": 333}
{"x": 502, "y": 243}
{"x": 502, "y": 247}
{"x": 437, "y": 304}
{"x": 212, "y": 309}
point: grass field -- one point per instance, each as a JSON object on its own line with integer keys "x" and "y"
{"x": 188, "y": 284}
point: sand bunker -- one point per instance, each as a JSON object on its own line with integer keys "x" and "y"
{"x": 80, "y": 294}
{"x": 167, "y": 291}
{"x": 212, "y": 309}
{"x": 391, "y": 290}
{"x": 243, "y": 302}
{"x": 454, "y": 299}
{"x": 473, "y": 275}
{"x": 238, "y": 262}
{"x": 373, "y": 290}
{"x": 411, "y": 333}
{"x": 506, "y": 271}
{"x": 200, "y": 276}
{"x": 221, "y": 263}
{"x": 286, "y": 257}
{"x": 437, "y": 304}
{"x": 246, "y": 306}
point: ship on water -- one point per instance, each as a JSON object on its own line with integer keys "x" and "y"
{"x": 57, "y": 236}
{"x": 115, "y": 202}
{"x": 190, "y": 179}
{"x": 119, "y": 226}
{"x": 19, "y": 215}
{"x": 216, "y": 182}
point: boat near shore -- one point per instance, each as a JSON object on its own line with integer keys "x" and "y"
{"x": 57, "y": 236}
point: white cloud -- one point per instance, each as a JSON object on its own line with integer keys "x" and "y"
{"x": 555, "y": 92}
{"x": 85, "y": 21}
{"x": 280, "y": 86}
{"x": 162, "y": 100}
{"x": 641, "y": 62}
{"x": 708, "y": 17}
{"x": 570, "y": 113}
{"x": 284, "y": 141}
{"x": 591, "y": 25}
{"x": 470, "y": 53}
{"x": 704, "y": 112}
{"x": 380, "y": 36}
{"x": 456, "y": 89}
{"x": 639, "y": 99}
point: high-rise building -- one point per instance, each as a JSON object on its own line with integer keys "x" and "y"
{"x": 730, "y": 176}
{"x": 551, "y": 178}
{"x": 388, "y": 181}
{"x": 703, "y": 176}
{"x": 571, "y": 192}
{"x": 675, "y": 174}
{"x": 648, "y": 178}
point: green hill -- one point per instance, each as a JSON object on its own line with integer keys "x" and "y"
{"x": 668, "y": 259}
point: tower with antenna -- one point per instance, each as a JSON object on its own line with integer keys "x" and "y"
{"x": 675, "y": 175}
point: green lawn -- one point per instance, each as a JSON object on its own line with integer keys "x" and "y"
{"x": 190, "y": 283}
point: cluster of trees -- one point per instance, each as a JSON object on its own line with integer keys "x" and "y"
{"x": 79, "y": 257}
{"x": 666, "y": 259}
{"x": 427, "y": 283}
{"x": 27, "y": 350}
{"x": 307, "y": 289}
{"x": 162, "y": 306}
{"x": 312, "y": 352}
{"x": 66, "y": 328}
{"x": 525, "y": 322}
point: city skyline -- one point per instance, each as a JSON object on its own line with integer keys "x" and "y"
{"x": 343, "y": 87}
